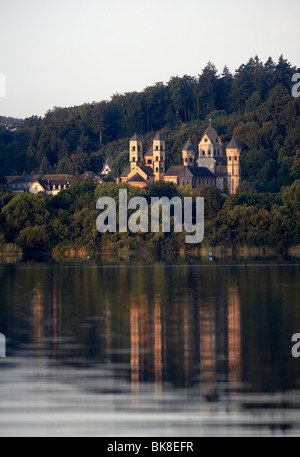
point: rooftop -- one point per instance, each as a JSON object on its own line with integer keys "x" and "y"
{"x": 149, "y": 153}
{"x": 159, "y": 137}
{"x": 234, "y": 144}
{"x": 109, "y": 162}
{"x": 135, "y": 138}
{"x": 137, "y": 178}
{"x": 212, "y": 135}
{"x": 189, "y": 146}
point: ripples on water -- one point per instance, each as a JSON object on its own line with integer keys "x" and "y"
{"x": 149, "y": 351}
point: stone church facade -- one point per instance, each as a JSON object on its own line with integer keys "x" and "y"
{"x": 207, "y": 167}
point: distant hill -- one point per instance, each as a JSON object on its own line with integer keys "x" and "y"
{"x": 255, "y": 104}
{"x": 10, "y": 121}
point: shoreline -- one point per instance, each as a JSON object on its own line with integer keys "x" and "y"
{"x": 204, "y": 253}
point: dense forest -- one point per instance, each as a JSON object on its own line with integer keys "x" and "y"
{"x": 67, "y": 222}
{"x": 254, "y": 103}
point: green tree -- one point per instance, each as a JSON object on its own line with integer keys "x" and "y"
{"x": 246, "y": 188}
{"x": 45, "y": 167}
{"x": 205, "y": 90}
{"x": 119, "y": 164}
{"x": 36, "y": 237}
{"x": 3, "y": 180}
{"x": 26, "y": 210}
{"x": 63, "y": 167}
{"x": 79, "y": 163}
{"x": 213, "y": 200}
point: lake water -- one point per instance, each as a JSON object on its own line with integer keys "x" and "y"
{"x": 149, "y": 349}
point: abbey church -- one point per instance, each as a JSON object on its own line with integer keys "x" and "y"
{"x": 207, "y": 168}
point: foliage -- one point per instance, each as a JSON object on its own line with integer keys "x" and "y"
{"x": 68, "y": 220}
{"x": 254, "y": 103}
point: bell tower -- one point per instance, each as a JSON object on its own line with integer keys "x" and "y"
{"x": 233, "y": 152}
{"x": 135, "y": 151}
{"x": 189, "y": 154}
{"x": 159, "y": 157}
{"x": 210, "y": 145}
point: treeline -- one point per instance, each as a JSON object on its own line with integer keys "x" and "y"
{"x": 12, "y": 121}
{"x": 42, "y": 224}
{"x": 254, "y": 103}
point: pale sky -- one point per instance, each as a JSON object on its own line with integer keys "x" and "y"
{"x": 69, "y": 52}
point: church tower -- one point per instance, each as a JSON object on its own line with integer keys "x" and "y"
{"x": 233, "y": 152}
{"x": 159, "y": 157}
{"x": 135, "y": 152}
{"x": 189, "y": 154}
{"x": 210, "y": 145}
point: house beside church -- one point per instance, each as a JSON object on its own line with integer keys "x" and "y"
{"x": 107, "y": 166}
{"x": 34, "y": 184}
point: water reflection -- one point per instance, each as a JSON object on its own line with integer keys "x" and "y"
{"x": 207, "y": 340}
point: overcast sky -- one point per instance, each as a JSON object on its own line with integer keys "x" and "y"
{"x": 69, "y": 52}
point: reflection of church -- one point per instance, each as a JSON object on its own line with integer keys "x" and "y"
{"x": 209, "y": 169}
{"x": 156, "y": 343}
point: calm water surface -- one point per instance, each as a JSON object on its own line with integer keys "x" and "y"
{"x": 155, "y": 349}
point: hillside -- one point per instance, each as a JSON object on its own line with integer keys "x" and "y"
{"x": 255, "y": 104}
